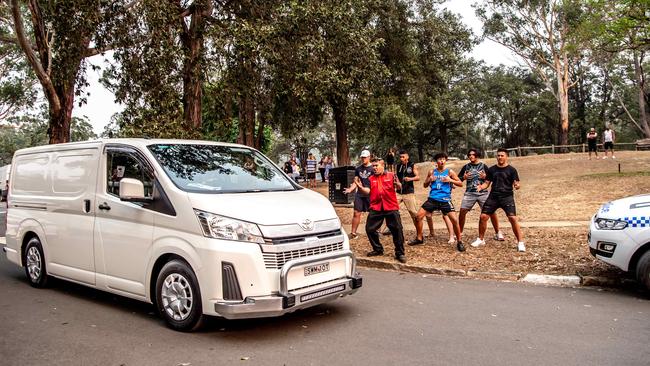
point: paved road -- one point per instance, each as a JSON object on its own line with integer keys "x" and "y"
{"x": 397, "y": 319}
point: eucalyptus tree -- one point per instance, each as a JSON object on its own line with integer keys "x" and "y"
{"x": 56, "y": 38}
{"x": 159, "y": 65}
{"x": 539, "y": 32}
{"x": 623, "y": 27}
{"x": 441, "y": 41}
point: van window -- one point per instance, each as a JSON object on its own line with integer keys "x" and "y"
{"x": 31, "y": 176}
{"x": 122, "y": 164}
{"x": 71, "y": 172}
{"x": 219, "y": 169}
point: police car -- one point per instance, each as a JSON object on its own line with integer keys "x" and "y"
{"x": 619, "y": 234}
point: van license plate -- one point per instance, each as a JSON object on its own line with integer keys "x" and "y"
{"x": 319, "y": 268}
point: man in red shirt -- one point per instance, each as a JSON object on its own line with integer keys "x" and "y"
{"x": 383, "y": 206}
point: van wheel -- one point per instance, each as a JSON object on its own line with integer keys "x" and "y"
{"x": 35, "y": 264}
{"x": 178, "y": 297}
{"x": 643, "y": 270}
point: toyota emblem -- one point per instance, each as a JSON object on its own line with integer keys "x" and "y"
{"x": 307, "y": 225}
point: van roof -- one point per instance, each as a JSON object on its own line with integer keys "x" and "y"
{"x": 136, "y": 142}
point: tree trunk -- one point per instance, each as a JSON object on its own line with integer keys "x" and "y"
{"x": 641, "y": 84}
{"x": 192, "y": 38}
{"x": 339, "y": 108}
{"x": 444, "y": 138}
{"x": 246, "y": 120}
{"x": 60, "y": 118}
{"x": 563, "y": 96}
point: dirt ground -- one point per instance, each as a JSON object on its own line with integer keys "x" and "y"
{"x": 560, "y": 187}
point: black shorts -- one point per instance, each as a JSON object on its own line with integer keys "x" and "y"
{"x": 311, "y": 175}
{"x": 592, "y": 145}
{"x": 361, "y": 203}
{"x": 608, "y": 145}
{"x": 431, "y": 205}
{"x": 505, "y": 202}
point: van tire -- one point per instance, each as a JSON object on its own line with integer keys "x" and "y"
{"x": 178, "y": 297}
{"x": 643, "y": 270}
{"x": 34, "y": 260}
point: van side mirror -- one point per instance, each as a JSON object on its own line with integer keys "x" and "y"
{"x": 132, "y": 190}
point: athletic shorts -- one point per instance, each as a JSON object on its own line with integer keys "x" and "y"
{"x": 592, "y": 145}
{"x": 472, "y": 198}
{"x": 311, "y": 175}
{"x": 494, "y": 202}
{"x": 608, "y": 145}
{"x": 431, "y": 205}
{"x": 361, "y": 203}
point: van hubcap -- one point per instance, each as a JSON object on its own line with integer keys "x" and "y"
{"x": 34, "y": 263}
{"x": 176, "y": 296}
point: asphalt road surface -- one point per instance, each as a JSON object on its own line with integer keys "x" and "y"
{"x": 396, "y": 319}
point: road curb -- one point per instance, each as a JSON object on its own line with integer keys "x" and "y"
{"x": 531, "y": 278}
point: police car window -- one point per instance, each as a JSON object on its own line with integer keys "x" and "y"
{"x": 124, "y": 165}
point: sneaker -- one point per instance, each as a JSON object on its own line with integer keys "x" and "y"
{"x": 451, "y": 241}
{"x": 353, "y": 236}
{"x": 401, "y": 258}
{"x": 374, "y": 253}
{"x": 604, "y": 157}
{"x": 613, "y": 157}
{"x": 460, "y": 246}
{"x": 521, "y": 247}
{"x": 478, "y": 242}
{"x": 499, "y": 236}
{"x": 416, "y": 242}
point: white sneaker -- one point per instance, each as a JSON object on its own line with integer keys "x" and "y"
{"x": 613, "y": 157}
{"x": 499, "y": 236}
{"x": 478, "y": 242}
{"x": 521, "y": 247}
{"x": 604, "y": 157}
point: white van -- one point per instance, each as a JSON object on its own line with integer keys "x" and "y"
{"x": 196, "y": 228}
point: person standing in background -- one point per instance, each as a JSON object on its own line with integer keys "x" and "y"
{"x": 608, "y": 141}
{"x": 321, "y": 168}
{"x": 389, "y": 160}
{"x": 361, "y": 198}
{"x": 311, "y": 170}
{"x": 328, "y": 165}
{"x": 592, "y": 142}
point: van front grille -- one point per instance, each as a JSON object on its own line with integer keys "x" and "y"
{"x": 277, "y": 260}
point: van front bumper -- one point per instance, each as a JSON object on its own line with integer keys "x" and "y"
{"x": 287, "y": 302}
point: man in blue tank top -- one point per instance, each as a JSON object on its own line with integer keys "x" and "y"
{"x": 440, "y": 179}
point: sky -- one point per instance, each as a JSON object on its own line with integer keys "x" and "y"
{"x": 101, "y": 106}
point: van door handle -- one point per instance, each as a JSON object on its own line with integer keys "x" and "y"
{"x": 86, "y": 206}
{"x": 104, "y": 206}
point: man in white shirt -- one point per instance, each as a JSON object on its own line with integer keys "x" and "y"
{"x": 608, "y": 141}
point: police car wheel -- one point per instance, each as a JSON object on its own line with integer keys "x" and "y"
{"x": 643, "y": 270}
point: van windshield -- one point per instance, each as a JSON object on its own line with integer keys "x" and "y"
{"x": 219, "y": 169}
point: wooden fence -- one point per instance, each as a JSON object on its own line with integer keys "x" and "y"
{"x": 559, "y": 149}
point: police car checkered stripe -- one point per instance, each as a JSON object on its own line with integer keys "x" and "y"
{"x": 641, "y": 221}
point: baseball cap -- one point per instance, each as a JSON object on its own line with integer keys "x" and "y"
{"x": 365, "y": 154}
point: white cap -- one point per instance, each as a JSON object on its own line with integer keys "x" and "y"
{"x": 365, "y": 154}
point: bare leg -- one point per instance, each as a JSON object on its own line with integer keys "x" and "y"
{"x": 461, "y": 218}
{"x": 450, "y": 225}
{"x": 356, "y": 219}
{"x": 514, "y": 222}
{"x": 421, "y": 213}
{"x": 482, "y": 225}
{"x": 495, "y": 223}
{"x": 451, "y": 216}
{"x": 430, "y": 224}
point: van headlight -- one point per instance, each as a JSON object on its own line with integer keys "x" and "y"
{"x": 609, "y": 224}
{"x": 222, "y": 227}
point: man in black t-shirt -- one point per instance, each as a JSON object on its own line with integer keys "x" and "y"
{"x": 503, "y": 178}
{"x": 361, "y": 200}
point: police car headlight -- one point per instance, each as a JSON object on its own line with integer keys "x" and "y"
{"x": 221, "y": 227}
{"x": 609, "y": 224}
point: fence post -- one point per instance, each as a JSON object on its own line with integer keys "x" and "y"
{"x": 552, "y": 149}
{"x": 583, "y": 147}
{"x": 518, "y": 150}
